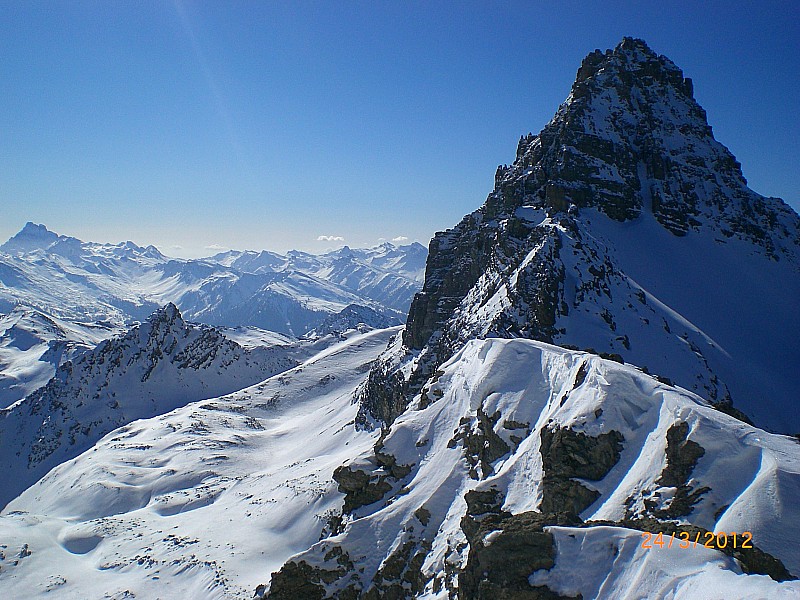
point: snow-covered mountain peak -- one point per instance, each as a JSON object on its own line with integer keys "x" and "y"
{"x": 167, "y": 315}
{"x": 31, "y": 237}
{"x": 631, "y": 138}
{"x": 634, "y": 56}
{"x": 626, "y": 229}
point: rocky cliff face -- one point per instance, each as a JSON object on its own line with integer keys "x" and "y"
{"x": 623, "y": 228}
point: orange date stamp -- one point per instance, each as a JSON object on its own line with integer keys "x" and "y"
{"x": 708, "y": 539}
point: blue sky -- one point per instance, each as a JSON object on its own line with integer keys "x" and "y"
{"x": 203, "y": 125}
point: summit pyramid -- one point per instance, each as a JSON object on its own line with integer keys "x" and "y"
{"x": 626, "y": 229}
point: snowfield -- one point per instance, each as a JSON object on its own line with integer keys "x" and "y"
{"x": 200, "y": 502}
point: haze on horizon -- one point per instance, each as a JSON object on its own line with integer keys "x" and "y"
{"x": 200, "y": 127}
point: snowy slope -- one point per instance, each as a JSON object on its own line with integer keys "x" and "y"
{"x": 208, "y": 499}
{"x": 199, "y": 502}
{"x": 154, "y": 368}
{"x": 123, "y": 283}
{"x": 495, "y": 447}
{"x": 33, "y": 345}
{"x": 483, "y": 426}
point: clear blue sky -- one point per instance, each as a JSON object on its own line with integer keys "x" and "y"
{"x": 195, "y": 125}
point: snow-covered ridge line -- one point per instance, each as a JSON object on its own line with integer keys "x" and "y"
{"x": 33, "y": 345}
{"x": 152, "y": 369}
{"x": 197, "y": 502}
{"x": 623, "y": 227}
{"x": 513, "y": 426}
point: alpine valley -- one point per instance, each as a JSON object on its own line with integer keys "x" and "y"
{"x": 582, "y": 390}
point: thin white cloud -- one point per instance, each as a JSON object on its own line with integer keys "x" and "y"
{"x": 330, "y": 238}
{"x": 217, "y": 247}
{"x": 176, "y": 247}
{"x": 400, "y": 238}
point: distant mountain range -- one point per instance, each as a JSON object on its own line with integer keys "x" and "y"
{"x": 119, "y": 284}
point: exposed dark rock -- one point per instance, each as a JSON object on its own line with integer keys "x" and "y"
{"x": 499, "y": 566}
{"x": 580, "y": 376}
{"x": 366, "y": 487}
{"x": 359, "y": 487}
{"x": 423, "y": 515}
{"x": 682, "y": 457}
{"x": 297, "y": 580}
{"x": 301, "y": 580}
{"x": 730, "y": 410}
{"x": 389, "y": 462}
{"x": 482, "y": 505}
{"x": 482, "y": 502}
{"x": 384, "y": 395}
{"x": 567, "y": 454}
{"x": 482, "y": 446}
{"x": 401, "y": 575}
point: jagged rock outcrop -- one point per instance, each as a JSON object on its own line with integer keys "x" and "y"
{"x": 503, "y": 554}
{"x": 568, "y": 455}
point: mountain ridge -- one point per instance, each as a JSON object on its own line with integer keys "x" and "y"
{"x": 151, "y": 369}
{"x": 577, "y": 372}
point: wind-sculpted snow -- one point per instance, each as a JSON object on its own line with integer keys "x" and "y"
{"x": 154, "y": 368}
{"x": 198, "y": 502}
{"x": 211, "y": 498}
{"x": 519, "y": 391}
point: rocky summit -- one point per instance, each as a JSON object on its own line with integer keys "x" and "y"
{"x": 625, "y": 229}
